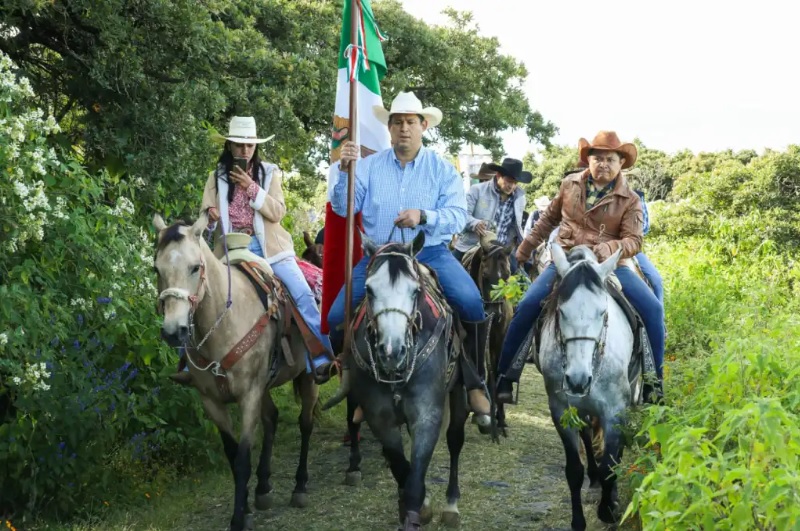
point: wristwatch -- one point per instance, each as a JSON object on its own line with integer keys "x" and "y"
{"x": 423, "y": 217}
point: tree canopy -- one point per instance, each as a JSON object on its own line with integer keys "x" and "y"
{"x": 137, "y": 86}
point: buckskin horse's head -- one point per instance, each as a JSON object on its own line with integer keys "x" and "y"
{"x": 180, "y": 267}
{"x": 394, "y": 288}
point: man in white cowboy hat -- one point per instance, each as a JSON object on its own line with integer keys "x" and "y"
{"x": 595, "y": 207}
{"x": 541, "y": 203}
{"x": 411, "y": 187}
{"x": 496, "y": 205}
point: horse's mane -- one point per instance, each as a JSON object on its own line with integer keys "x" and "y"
{"x": 172, "y": 234}
{"x": 582, "y": 274}
{"x": 396, "y": 267}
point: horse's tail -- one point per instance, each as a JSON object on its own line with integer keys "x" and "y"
{"x": 297, "y": 388}
{"x": 445, "y": 418}
{"x": 598, "y": 439}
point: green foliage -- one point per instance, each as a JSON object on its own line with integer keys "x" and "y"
{"x": 571, "y": 420}
{"x": 80, "y": 356}
{"x": 138, "y": 86}
{"x": 724, "y": 454}
{"x": 512, "y": 289}
{"x": 547, "y": 174}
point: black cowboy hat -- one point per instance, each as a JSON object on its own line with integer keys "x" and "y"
{"x": 512, "y": 168}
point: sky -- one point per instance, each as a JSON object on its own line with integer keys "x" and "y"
{"x": 706, "y": 75}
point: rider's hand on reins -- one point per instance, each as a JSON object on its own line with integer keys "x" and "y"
{"x": 213, "y": 215}
{"x": 408, "y": 218}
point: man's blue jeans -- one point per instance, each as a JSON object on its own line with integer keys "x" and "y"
{"x": 653, "y": 276}
{"x": 459, "y": 289}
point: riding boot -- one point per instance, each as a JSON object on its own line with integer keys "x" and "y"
{"x": 505, "y": 390}
{"x": 323, "y": 368}
{"x": 474, "y": 366}
{"x": 182, "y": 376}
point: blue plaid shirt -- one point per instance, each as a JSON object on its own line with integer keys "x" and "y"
{"x": 383, "y": 189}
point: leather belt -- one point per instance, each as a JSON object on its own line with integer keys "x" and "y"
{"x": 244, "y": 230}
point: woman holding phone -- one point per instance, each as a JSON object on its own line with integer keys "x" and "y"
{"x": 244, "y": 194}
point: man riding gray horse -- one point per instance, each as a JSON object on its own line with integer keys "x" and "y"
{"x": 596, "y": 208}
{"x": 400, "y": 192}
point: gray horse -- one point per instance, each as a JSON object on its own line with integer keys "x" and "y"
{"x": 404, "y": 365}
{"x": 586, "y": 348}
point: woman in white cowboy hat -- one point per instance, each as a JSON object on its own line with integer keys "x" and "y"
{"x": 251, "y": 201}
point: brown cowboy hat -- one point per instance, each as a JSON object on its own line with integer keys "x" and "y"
{"x": 484, "y": 173}
{"x": 607, "y": 141}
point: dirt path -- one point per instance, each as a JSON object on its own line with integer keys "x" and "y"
{"x": 518, "y": 484}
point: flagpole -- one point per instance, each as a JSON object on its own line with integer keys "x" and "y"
{"x": 355, "y": 6}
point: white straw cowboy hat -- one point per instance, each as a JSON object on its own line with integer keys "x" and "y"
{"x": 408, "y": 103}
{"x": 542, "y": 202}
{"x": 242, "y": 130}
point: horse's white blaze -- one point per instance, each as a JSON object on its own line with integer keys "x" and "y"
{"x": 398, "y": 295}
{"x": 582, "y": 316}
{"x": 175, "y": 257}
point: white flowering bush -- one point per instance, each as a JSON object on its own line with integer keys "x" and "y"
{"x": 81, "y": 360}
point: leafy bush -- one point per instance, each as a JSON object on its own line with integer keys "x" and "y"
{"x": 80, "y": 357}
{"x": 723, "y": 454}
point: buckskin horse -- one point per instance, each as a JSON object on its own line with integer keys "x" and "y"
{"x": 405, "y": 362}
{"x": 487, "y": 263}
{"x": 585, "y": 355}
{"x": 240, "y": 357}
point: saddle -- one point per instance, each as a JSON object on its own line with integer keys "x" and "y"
{"x": 642, "y": 365}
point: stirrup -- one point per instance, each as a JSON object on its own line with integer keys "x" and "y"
{"x": 506, "y": 397}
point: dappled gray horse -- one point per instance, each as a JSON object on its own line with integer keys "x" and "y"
{"x": 585, "y": 353}
{"x": 237, "y": 358}
{"x": 405, "y": 366}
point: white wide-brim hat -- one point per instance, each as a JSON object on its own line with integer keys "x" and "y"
{"x": 542, "y": 202}
{"x": 408, "y": 103}
{"x": 242, "y": 130}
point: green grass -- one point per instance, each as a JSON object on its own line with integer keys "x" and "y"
{"x": 518, "y": 484}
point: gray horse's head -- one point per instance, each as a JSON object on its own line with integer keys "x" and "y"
{"x": 180, "y": 267}
{"x": 393, "y": 287}
{"x": 581, "y": 312}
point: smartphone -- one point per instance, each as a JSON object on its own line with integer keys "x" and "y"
{"x": 241, "y": 162}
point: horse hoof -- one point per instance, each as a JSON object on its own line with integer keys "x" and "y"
{"x": 483, "y": 422}
{"x": 426, "y": 513}
{"x": 450, "y": 519}
{"x": 353, "y": 479}
{"x": 299, "y": 500}
{"x": 606, "y": 513}
{"x": 249, "y": 522}
{"x": 264, "y": 501}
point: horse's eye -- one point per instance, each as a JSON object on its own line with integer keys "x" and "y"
{"x": 369, "y": 292}
{"x": 195, "y": 269}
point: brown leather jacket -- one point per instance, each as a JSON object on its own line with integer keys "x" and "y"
{"x": 615, "y": 221}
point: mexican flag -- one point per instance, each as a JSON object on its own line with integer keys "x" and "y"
{"x": 365, "y": 66}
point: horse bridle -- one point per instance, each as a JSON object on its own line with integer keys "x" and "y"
{"x": 597, "y": 354}
{"x": 413, "y": 324}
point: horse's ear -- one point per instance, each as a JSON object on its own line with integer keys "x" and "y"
{"x": 610, "y": 264}
{"x": 200, "y": 225}
{"x": 308, "y": 240}
{"x": 418, "y": 243}
{"x": 158, "y": 222}
{"x": 367, "y": 245}
{"x": 559, "y": 259}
